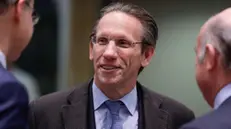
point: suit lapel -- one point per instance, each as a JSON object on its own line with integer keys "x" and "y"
{"x": 154, "y": 117}
{"x": 74, "y": 114}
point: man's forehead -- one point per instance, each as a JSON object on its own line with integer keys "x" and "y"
{"x": 120, "y": 23}
{"x": 119, "y": 16}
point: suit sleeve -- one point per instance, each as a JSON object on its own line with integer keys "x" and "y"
{"x": 188, "y": 127}
{"x": 13, "y": 106}
{"x": 184, "y": 118}
{"x": 194, "y": 125}
{"x": 179, "y": 114}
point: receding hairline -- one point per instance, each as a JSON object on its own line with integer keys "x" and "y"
{"x": 223, "y": 18}
{"x": 121, "y": 12}
{"x": 217, "y": 31}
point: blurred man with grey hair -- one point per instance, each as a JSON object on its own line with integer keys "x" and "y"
{"x": 213, "y": 71}
{"x": 16, "y": 28}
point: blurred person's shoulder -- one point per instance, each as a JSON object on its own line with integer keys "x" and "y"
{"x": 11, "y": 90}
{"x": 59, "y": 98}
{"x": 6, "y": 76}
{"x": 9, "y": 82}
{"x": 46, "y": 110}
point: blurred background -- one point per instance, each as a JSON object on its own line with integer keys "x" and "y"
{"x": 57, "y": 57}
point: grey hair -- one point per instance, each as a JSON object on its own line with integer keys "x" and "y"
{"x": 219, "y": 35}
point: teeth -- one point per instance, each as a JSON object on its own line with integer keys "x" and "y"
{"x": 108, "y": 67}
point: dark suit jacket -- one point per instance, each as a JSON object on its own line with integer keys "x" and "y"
{"x": 217, "y": 119}
{"x": 13, "y": 102}
{"x": 69, "y": 110}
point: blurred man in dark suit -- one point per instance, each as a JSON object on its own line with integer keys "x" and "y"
{"x": 213, "y": 71}
{"x": 16, "y": 28}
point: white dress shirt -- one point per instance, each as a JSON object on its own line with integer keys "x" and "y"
{"x": 222, "y": 95}
{"x": 2, "y": 59}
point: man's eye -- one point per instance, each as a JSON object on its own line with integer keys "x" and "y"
{"x": 102, "y": 41}
{"x": 123, "y": 43}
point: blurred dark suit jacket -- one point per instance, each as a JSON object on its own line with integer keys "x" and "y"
{"x": 218, "y": 119}
{"x": 13, "y": 102}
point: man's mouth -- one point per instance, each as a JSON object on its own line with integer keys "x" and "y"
{"x": 109, "y": 67}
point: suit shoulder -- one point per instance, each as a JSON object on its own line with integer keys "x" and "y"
{"x": 215, "y": 119}
{"x": 56, "y": 99}
{"x": 178, "y": 112}
{"x": 167, "y": 102}
{"x": 12, "y": 88}
{"x": 195, "y": 124}
{"x": 203, "y": 122}
{"x": 175, "y": 105}
{"x": 52, "y": 99}
{"x": 47, "y": 108}
{"x": 6, "y": 76}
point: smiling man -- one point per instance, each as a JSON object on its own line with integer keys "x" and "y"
{"x": 122, "y": 44}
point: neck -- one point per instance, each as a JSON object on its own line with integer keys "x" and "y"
{"x": 116, "y": 91}
{"x": 219, "y": 83}
{"x": 4, "y": 40}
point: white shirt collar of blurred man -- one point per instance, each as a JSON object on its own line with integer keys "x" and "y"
{"x": 3, "y": 59}
{"x": 222, "y": 95}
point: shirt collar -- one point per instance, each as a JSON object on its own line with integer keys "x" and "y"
{"x": 222, "y": 95}
{"x": 98, "y": 96}
{"x": 3, "y": 59}
{"x": 130, "y": 100}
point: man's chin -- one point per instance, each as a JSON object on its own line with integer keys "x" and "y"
{"x": 109, "y": 80}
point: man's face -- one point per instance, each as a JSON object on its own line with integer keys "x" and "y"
{"x": 23, "y": 29}
{"x": 114, "y": 64}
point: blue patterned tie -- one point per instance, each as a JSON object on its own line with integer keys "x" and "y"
{"x": 114, "y": 108}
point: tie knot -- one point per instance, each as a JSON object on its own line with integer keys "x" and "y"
{"x": 114, "y": 106}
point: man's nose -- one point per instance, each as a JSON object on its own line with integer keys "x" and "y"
{"x": 110, "y": 51}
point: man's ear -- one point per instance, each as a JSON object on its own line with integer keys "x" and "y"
{"x": 90, "y": 51}
{"x": 147, "y": 56}
{"x": 18, "y": 11}
{"x": 210, "y": 56}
